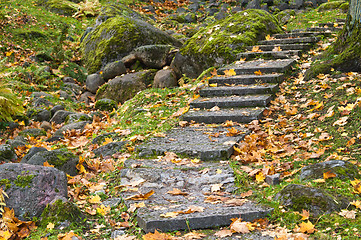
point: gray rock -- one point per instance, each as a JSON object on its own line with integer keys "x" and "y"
{"x": 254, "y": 4}
{"x": 30, "y": 188}
{"x": 93, "y": 82}
{"x": 46, "y": 125}
{"x": 41, "y": 102}
{"x": 68, "y": 80}
{"x": 190, "y": 18}
{"x": 316, "y": 201}
{"x": 273, "y": 179}
{"x": 194, "y": 7}
{"x": 56, "y": 108}
{"x": 113, "y": 69}
{"x": 109, "y": 149}
{"x": 14, "y": 143}
{"x": 125, "y": 87}
{"x": 7, "y": 153}
{"x": 32, "y": 151}
{"x": 70, "y": 126}
{"x": 117, "y": 233}
{"x": 60, "y": 116}
{"x": 185, "y": 65}
{"x": 342, "y": 169}
{"x": 152, "y": 56}
{"x": 40, "y": 115}
{"x": 101, "y": 138}
{"x": 221, "y": 15}
{"x": 74, "y": 88}
{"x": 165, "y": 78}
{"x": 105, "y": 104}
{"x": 41, "y": 95}
{"x": 77, "y": 117}
{"x": 85, "y": 97}
{"x": 35, "y": 132}
{"x": 65, "y": 95}
{"x": 112, "y": 202}
{"x": 64, "y": 161}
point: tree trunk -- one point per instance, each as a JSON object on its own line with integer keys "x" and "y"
{"x": 345, "y": 54}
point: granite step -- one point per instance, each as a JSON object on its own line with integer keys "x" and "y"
{"x": 284, "y": 47}
{"x": 290, "y": 41}
{"x": 246, "y": 79}
{"x": 232, "y": 101}
{"x": 238, "y": 90}
{"x": 269, "y": 54}
{"x": 205, "y": 143}
{"x": 318, "y": 29}
{"x": 340, "y": 20}
{"x": 297, "y": 34}
{"x": 240, "y": 115}
{"x": 265, "y": 66}
{"x": 195, "y": 180}
{"x": 328, "y": 25}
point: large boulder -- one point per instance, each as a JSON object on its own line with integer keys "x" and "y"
{"x": 31, "y": 188}
{"x": 220, "y": 42}
{"x": 125, "y": 87}
{"x": 116, "y": 38}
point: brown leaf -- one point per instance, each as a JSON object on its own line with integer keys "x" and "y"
{"x": 348, "y": 214}
{"x": 328, "y": 175}
{"x": 176, "y": 191}
{"x": 307, "y": 227}
{"x": 235, "y": 202}
{"x": 141, "y": 196}
{"x": 157, "y": 236}
{"x": 193, "y": 235}
{"x": 223, "y": 233}
{"x": 239, "y": 227}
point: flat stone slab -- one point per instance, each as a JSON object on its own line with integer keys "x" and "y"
{"x": 284, "y": 47}
{"x": 246, "y": 79}
{"x": 206, "y": 143}
{"x": 332, "y": 25}
{"x": 290, "y": 41}
{"x": 239, "y": 90}
{"x": 269, "y": 54}
{"x": 265, "y": 66}
{"x": 297, "y": 34}
{"x": 240, "y": 115}
{"x": 196, "y": 181}
{"x": 232, "y": 101}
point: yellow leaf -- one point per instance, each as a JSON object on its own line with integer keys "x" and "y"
{"x": 229, "y": 72}
{"x": 277, "y": 49}
{"x": 219, "y": 171}
{"x": 258, "y": 72}
{"x": 103, "y": 210}
{"x": 50, "y": 226}
{"x": 46, "y": 164}
{"x": 260, "y": 177}
{"x": 356, "y": 203}
{"x": 328, "y": 175}
{"x": 95, "y": 199}
{"x": 356, "y": 186}
{"x": 307, "y": 227}
{"x": 213, "y": 84}
{"x": 321, "y": 180}
{"x": 141, "y": 196}
{"x": 8, "y": 54}
{"x": 106, "y": 141}
{"x": 5, "y": 235}
{"x": 256, "y": 49}
{"x": 169, "y": 215}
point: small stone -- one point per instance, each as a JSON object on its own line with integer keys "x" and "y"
{"x": 165, "y": 78}
{"x": 56, "y": 108}
{"x": 111, "y": 70}
{"x": 93, "y": 82}
{"x": 60, "y": 116}
{"x": 46, "y": 125}
{"x": 112, "y": 202}
{"x": 105, "y": 104}
{"x": 273, "y": 179}
{"x": 117, "y": 233}
{"x": 68, "y": 80}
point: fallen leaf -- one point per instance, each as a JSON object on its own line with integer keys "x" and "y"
{"x": 50, "y": 226}
{"x": 157, "y": 236}
{"x": 235, "y": 202}
{"x": 216, "y": 187}
{"x": 260, "y": 177}
{"x": 305, "y": 214}
{"x": 169, "y": 214}
{"x": 239, "y": 227}
{"x": 193, "y": 235}
{"x": 125, "y": 237}
{"x": 177, "y": 191}
{"x": 256, "y": 49}
{"x": 307, "y": 227}
{"x": 356, "y": 203}
{"x": 46, "y": 164}
{"x": 348, "y": 214}
{"x": 341, "y": 122}
{"x": 246, "y": 194}
{"x": 103, "y": 210}
{"x": 321, "y": 180}
{"x": 328, "y": 175}
{"x": 134, "y": 206}
{"x": 229, "y": 72}
{"x": 141, "y": 196}
{"x": 223, "y": 233}
{"x": 95, "y": 199}
{"x": 258, "y": 72}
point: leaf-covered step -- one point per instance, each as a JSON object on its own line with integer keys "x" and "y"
{"x": 232, "y": 101}
{"x": 238, "y": 90}
{"x": 284, "y": 47}
{"x": 297, "y": 34}
{"x": 290, "y": 41}
{"x": 246, "y": 79}
{"x": 241, "y": 115}
{"x": 332, "y": 25}
{"x": 270, "y": 54}
{"x": 260, "y": 66}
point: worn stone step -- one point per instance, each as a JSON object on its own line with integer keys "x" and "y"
{"x": 297, "y": 34}
{"x": 327, "y": 25}
{"x": 290, "y": 41}
{"x": 195, "y": 180}
{"x": 340, "y": 20}
{"x": 194, "y": 141}
{"x": 284, "y": 47}
{"x": 317, "y": 29}
{"x": 238, "y": 90}
{"x": 246, "y": 79}
{"x": 232, "y": 101}
{"x": 265, "y": 66}
{"x": 269, "y": 54}
{"x": 241, "y": 115}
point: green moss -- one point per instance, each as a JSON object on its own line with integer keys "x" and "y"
{"x": 62, "y": 7}
{"x": 61, "y": 211}
{"x": 5, "y": 182}
{"x": 224, "y": 39}
{"x": 24, "y": 180}
{"x": 344, "y": 7}
{"x": 330, "y": 5}
{"x": 105, "y": 104}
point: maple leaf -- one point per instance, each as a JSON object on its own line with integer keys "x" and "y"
{"x": 256, "y": 49}
{"x": 321, "y": 180}
{"x": 216, "y": 187}
{"x": 341, "y": 122}
{"x": 214, "y": 72}
{"x": 356, "y": 203}
{"x": 68, "y": 236}
{"x": 95, "y": 199}
{"x": 329, "y": 174}
{"x": 141, "y": 196}
{"x": 50, "y": 226}
{"x": 348, "y": 214}
{"x": 229, "y": 72}
{"x": 103, "y": 210}
{"x": 223, "y": 233}
{"x": 239, "y": 227}
{"x": 134, "y": 206}
{"x": 307, "y": 227}
{"x": 170, "y": 214}
{"x": 356, "y": 186}
{"x": 213, "y": 84}
{"x": 193, "y": 235}
{"x": 305, "y": 214}
{"x": 277, "y": 49}
{"x": 260, "y": 177}
{"x": 258, "y": 72}
{"x": 235, "y": 202}
{"x": 46, "y": 164}
{"x": 177, "y": 191}
{"x": 125, "y": 237}
{"x": 157, "y": 236}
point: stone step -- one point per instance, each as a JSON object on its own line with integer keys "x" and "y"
{"x": 232, "y": 101}
{"x": 290, "y": 40}
{"x": 195, "y": 180}
{"x": 265, "y": 66}
{"x": 284, "y": 47}
{"x": 297, "y": 34}
{"x": 238, "y": 90}
{"x": 205, "y": 143}
{"x": 317, "y": 29}
{"x": 246, "y": 79}
{"x": 340, "y": 20}
{"x": 240, "y": 115}
{"x": 327, "y": 25}
{"x": 269, "y": 54}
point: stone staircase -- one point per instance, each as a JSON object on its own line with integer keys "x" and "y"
{"x": 240, "y": 98}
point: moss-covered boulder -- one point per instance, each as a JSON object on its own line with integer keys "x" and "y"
{"x": 316, "y": 201}
{"x": 284, "y": 16}
{"x": 125, "y": 87}
{"x": 105, "y": 104}
{"x": 116, "y": 38}
{"x": 62, "y": 213}
{"x": 330, "y": 5}
{"x": 342, "y": 169}
{"x": 220, "y": 42}
{"x": 62, "y": 7}
{"x": 64, "y": 161}
{"x": 7, "y": 153}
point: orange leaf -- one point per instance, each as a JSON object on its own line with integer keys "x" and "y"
{"x": 141, "y": 196}
{"x": 176, "y": 191}
{"x": 328, "y": 175}
{"x": 229, "y": 72}
{"x": 157, "y": 236}
{"x": 260, "y": 177}
{"x": 307, "y": 227}
{"x": 258, "y": 72}
{"x": 46, "y": 164}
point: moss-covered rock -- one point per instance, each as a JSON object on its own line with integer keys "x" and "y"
{"x": 117, "y": 37}
{"x": 316, "y": 201}
{"x": 105, "y": 104}
{"x": 125, "y": 87}
{"x": 63, "y": 7}
{"x": 220, "y": 42}
{"x": 330, "y": 6}
{"x": 59, "y": 212}
{"x": 344, "y": 7}
{"x": 284, "y": 16}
